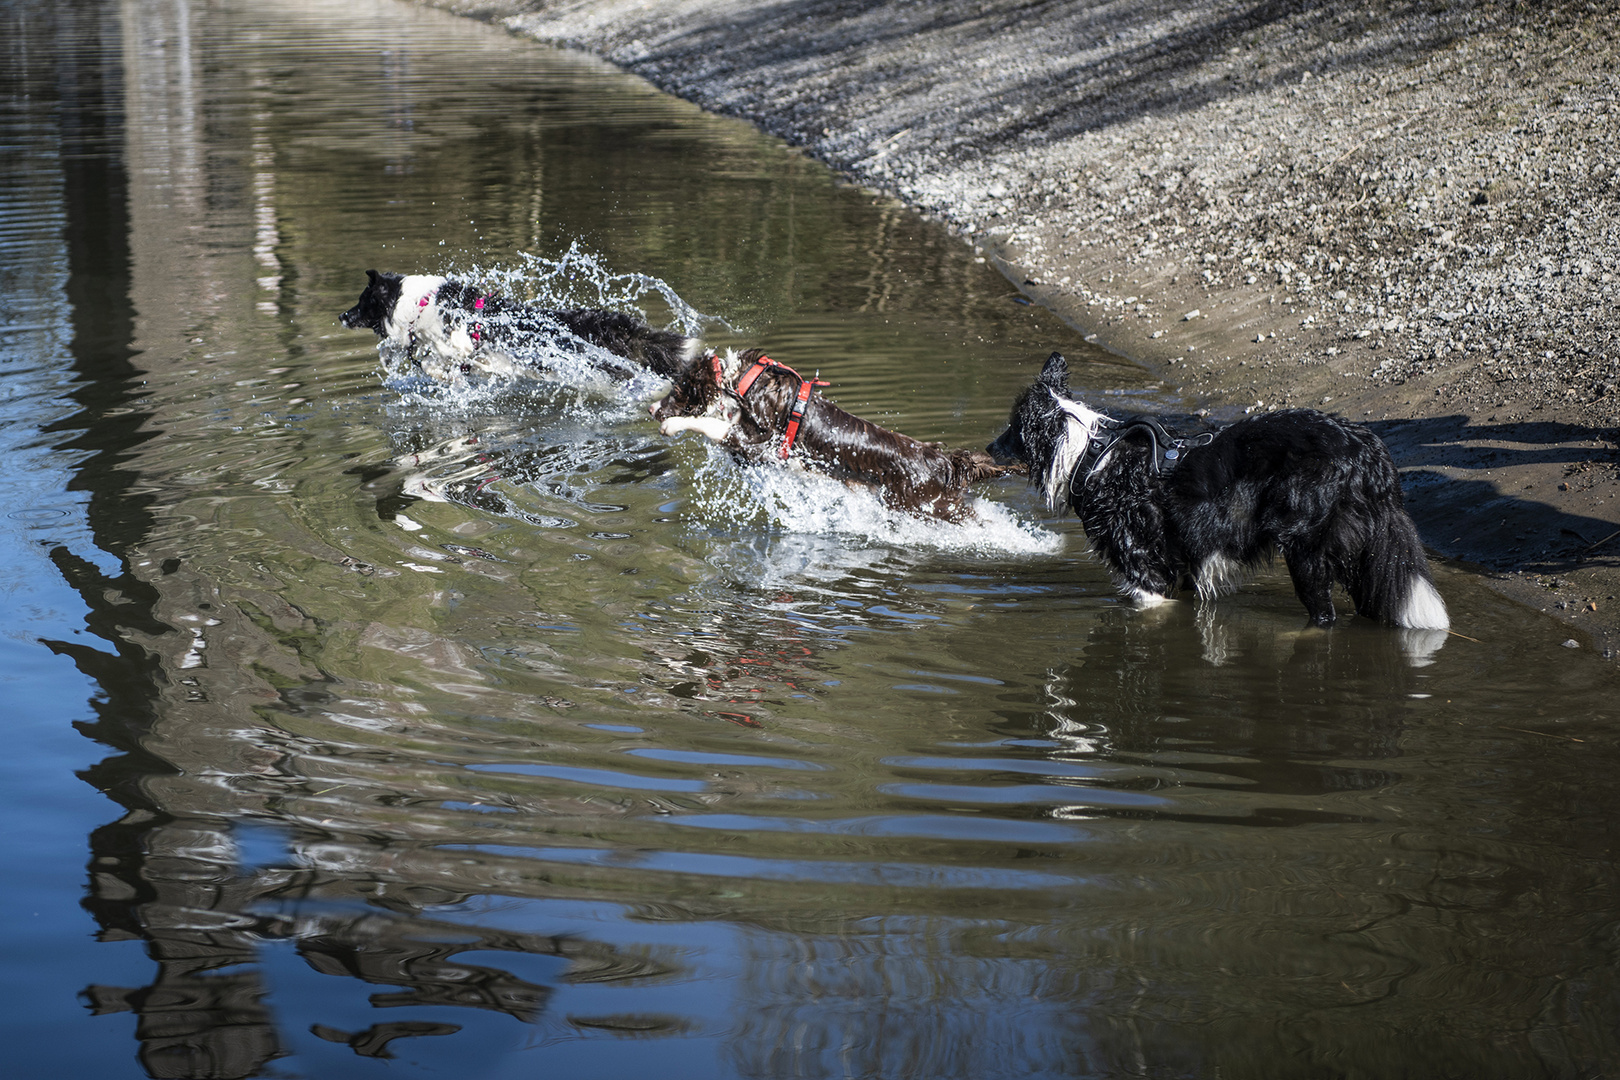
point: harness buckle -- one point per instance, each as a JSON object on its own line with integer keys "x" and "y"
{"x": 796, "y": 415}
{"x": 1167, "y": 448}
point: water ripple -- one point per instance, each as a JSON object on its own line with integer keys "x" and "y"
{"x": 699, "y": 758}
{"x": 885, "y": 874}
{"x": 950, "y": 827}
{"x": 598, "y": 777}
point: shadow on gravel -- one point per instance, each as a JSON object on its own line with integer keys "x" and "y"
{"x": 1498, "y": 494}
{"x": 1125, "y": 63}
{"x": 1170, "y": 74}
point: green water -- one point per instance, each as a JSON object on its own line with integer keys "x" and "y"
{"x": 365, "y": 729}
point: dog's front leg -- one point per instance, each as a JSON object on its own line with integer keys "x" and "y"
{"x": 713, "y": 427}
{"x": 1313, "y": 584}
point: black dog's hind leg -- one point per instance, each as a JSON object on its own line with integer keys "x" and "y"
{"x": 1313, "y": 584}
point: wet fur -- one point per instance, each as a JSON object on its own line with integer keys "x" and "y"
{"x": 917, "y": 477}
{"x": 1321, "y": 491}
{"x": 445, "y": 325}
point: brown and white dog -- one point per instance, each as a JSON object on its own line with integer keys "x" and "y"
{"x": 763, "y": 410}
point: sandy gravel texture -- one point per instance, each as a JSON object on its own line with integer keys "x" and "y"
{"x": 1403, "y": 213}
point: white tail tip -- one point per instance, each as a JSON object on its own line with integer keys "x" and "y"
{"x": 1423, "y": 610}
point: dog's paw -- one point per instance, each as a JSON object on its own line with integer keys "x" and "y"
{"x": 710, "y": 426}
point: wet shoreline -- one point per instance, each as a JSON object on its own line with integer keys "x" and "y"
{"x": 1402, "y": 216}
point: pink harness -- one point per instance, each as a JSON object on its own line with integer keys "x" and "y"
{"x": 477, "y": 331}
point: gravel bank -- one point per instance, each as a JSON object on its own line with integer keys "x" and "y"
{"x": 1405, "y": 213}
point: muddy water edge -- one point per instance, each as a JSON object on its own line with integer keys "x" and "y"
{"x": 359, "y": 728}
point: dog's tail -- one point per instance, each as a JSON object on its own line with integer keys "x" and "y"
{"x": 1392, "y": 582}
{"x": 662, "y": 352}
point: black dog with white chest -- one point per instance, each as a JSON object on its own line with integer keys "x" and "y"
{"x": 451, "y": 328}
{"x": 1160, "y": 510}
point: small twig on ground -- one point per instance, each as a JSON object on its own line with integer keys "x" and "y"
{"x": 1546, "y": 734}
{"x": 1605, "y": 540}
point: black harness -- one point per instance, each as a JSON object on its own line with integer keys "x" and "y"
{"x": 1167, "y": 448}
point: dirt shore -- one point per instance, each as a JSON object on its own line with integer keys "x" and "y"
{"x": 1403, "y": 213}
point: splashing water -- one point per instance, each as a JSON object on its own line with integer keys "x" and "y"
{"x": 802, "y": 502}
{"x": 584, "y": 383}
{"x": 546, "y": 368}
{"x": 571, "y": 379}
{"x": 579, "y": 279}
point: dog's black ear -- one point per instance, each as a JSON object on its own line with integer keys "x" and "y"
{"x": 371, "y": 276}
{"x": 1056, "y": 372}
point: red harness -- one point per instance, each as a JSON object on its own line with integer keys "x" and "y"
{"x": 796, "y": 415}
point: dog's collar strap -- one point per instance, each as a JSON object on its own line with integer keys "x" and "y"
{"x": 421, "y": 306}
{"x": 800, "y": 402}
{"x": 747, "y": 380}
{"x": 796, "y": 416}
{"x": 477, "y": 331}
{"x": 1167, "y": 448}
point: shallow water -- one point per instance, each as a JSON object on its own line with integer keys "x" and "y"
{"x": 364, "y": 728}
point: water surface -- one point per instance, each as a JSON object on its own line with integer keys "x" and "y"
{"x": 363, "y": 729}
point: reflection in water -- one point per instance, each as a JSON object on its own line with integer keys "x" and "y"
{"x": 495, "y": 733}
{"x": 209, "y": 911}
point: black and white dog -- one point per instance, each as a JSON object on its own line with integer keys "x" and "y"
{"x": 449, "y": 328}
{"x": 762, "y": 410}
{"x": 1159, "y": 510}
